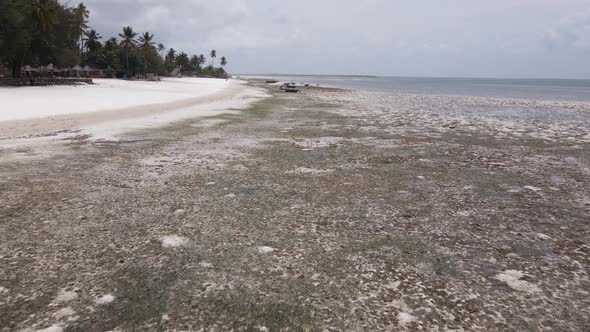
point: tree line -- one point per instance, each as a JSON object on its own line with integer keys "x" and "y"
{"x": 40, "y": 32}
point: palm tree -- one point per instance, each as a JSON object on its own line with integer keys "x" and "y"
{"x": 109, "y": 59}
{"x": 182, "y": 61}
{"x": 128, "y": 41}
{"x": 43, "y": 14}
{"x": 161, "y": 49}
{"x": 146, "y": 40}
{"x": 82, "y": 14}
{"x": 92, "y": 43}
{"x": 147, "y": 46}
{"x": 213, "y": 56}
{"x": 195, "y": 62}
{"x": 202, "y": 60}
{"x": 111, "y": 44}
{"x": 223, "y": 61}
{"x": 171, "y": 55}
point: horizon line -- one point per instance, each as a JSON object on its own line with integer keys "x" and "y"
{"x": 424, "y": 77}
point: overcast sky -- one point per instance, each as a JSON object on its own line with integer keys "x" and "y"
{"x": 459, "y": 38}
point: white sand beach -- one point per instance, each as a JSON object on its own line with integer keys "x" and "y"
{"x": 112, "y": 107}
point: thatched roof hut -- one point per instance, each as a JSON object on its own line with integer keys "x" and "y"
{"x": 49, "y": 68}
{"x": 30, "y": 69}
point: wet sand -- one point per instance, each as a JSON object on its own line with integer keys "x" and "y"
{"x": 324, "y": 210}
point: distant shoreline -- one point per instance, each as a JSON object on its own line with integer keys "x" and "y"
{"x": 302, "y": 75}
{"x": 450, "y": 78}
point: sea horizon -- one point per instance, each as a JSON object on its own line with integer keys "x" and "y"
{"x": 515, "y": 78}
{"x": 532, "y": 89}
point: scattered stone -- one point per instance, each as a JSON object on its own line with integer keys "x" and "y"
{"x": 64, "y": 296}
{"x": 179, "y": 212}
{"x": 210, "y": 183}
{"x": 172, "y": 241}
{"x": 240, "y": 168}
{"x": 230, "y": 196}
{"x": 393, "y": 285}
{"x": 531, "y": 188}
{"x": 106, "y": 299}
{"x": 312, "y": 171}
{"x": 513, "y": 279}
{"x": 52, "y": 328}
{"x": 206, "y": 265}
{"x": 64, "y": 312}
{"x": 265, "y": 249}
{"x": 405, "y": 318}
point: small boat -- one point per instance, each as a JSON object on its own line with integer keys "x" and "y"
{"x": 272, "y": 81}
{"x": 293, "y": 90}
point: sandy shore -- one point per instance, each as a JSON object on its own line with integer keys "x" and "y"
{"x": 325, "y": 210}
{"x": 113, "y": 107}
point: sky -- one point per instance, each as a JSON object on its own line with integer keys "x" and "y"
{"x": 431, "y": 38}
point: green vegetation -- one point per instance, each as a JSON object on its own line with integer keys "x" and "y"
{"x": 42, "y": 32}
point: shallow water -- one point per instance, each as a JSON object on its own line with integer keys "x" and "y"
{"x": 539, "y": 89}
{"x": 435, "y": 114}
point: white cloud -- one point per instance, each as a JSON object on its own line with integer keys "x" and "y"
{"x": 572, "y": 31}
{"x": 388, "y": 37}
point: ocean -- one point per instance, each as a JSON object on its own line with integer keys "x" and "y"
{"x": 534, "y": 89}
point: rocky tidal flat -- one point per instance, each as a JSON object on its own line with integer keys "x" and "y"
{"x": 327, "y": 210}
